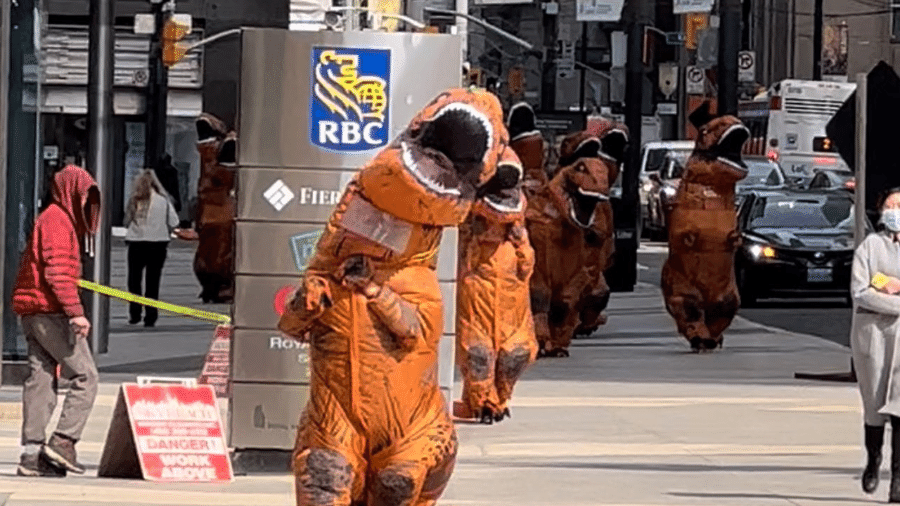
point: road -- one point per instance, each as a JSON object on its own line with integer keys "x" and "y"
{"x": 826, "y": 318}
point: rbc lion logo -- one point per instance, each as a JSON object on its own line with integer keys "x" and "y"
{"x": 351, "y": 94}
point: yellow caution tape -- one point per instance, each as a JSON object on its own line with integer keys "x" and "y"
{"x": 165, "y": 306}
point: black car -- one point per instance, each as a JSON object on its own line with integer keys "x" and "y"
{"x": 795, "y": 243}
{"x": 843, "y": 180}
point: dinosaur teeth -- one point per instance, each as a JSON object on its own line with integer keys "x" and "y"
{"x": 596, "y": 195}
{"x": 413, "y": 168}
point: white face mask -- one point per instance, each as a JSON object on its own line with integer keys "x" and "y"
{"x": 891, "y": 219}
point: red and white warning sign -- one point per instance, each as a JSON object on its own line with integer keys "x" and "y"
{"x": 217, "y": 367}
{"x": 166, "y": 433}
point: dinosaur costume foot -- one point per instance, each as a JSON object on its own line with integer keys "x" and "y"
{"x": 499, "y": 417}
{"x": 487, "y": 415}
{"x": 554, "y": 353}
{"x": 699, "y": 345}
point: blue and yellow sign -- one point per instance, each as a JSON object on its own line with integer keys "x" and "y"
{"x": 350, "y": 98}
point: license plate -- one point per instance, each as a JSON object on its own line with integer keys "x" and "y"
{"x": 819, "y": 275}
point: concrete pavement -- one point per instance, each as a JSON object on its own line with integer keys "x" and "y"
{"x": 631, "y": 418}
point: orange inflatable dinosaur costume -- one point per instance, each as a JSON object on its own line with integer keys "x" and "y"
{"x": 376, "y": 430}
{"x": 557, "y": 217}
{"x": 494, "y": 328}
{"x": 214, "y": 259}
{"x": 698, "y": 278}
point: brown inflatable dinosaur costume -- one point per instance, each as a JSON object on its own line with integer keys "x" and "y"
{"x": 599, "y": 238}
{"x": 528, "y": 144}
{"x": 698, "y": 278}
{"x": 494, "y": 328}
{"x": 214, "y": 259}
{"x": 376, "y": 429}
{"x": 557, "y": 217}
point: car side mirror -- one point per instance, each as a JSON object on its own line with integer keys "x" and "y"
{"x": 654, "y": 176}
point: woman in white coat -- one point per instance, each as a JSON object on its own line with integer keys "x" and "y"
{"x": 875, "y": 340}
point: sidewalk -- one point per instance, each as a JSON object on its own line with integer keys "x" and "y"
{"x": 631, "y": 418}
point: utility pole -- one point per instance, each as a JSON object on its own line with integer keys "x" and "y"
{"x": 100, "y": 158}
{"x": 638, "y": 13}
{"x": 157, "y": 88}
{"x": 730, "y": 13}
{"x": 548, "y": 81}
{"x": 818, "y": 21}
{"x": 582, "y": 84}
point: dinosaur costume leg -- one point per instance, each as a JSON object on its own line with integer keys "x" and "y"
{"x": 476, "y": 352}
{"x": 685, "y": 302}
{"x": 515, "y": 354}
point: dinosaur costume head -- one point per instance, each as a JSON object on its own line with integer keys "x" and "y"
{"x": 431, "y": 173}
{"x": 717, "y": 154}
{"x": 501, "y": 198}
{"x": 588, "y": 166}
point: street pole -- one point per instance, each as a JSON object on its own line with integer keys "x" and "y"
{"x": 548, "y": 79}
{"x": 730, "y": 13}
{"x": 584, "y": 40}
{"x": 818, "y": 21}
{"x": 5, "y": 8}
{"x": 100, "y": 157}
{"x": 157, "y": 89}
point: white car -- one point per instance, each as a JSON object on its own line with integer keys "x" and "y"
{"x": 653, "y": 154}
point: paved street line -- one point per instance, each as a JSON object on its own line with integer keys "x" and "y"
{"x": 148, "y": 493}
{"x": 587, "y": 449}
{"x": 643, "y": 402}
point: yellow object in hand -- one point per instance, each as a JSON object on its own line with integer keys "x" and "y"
{"x": 879, "y": 281}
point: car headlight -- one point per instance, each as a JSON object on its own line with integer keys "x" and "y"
{"x": 669, "y": 191}
{"x": 760, "y": 251}
{"x": 648, "y": 186}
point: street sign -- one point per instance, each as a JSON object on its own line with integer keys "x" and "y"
{"x": 565, "y": 59}
{"x": 166, "y": 433}
{"x": 667, "y": 109}
{"x": 708, "y": 48}
{"x": 689, "y": 6}
{"x": 144, "y": 24}
{"x": 599, "y": 10}
{"x": 695, "y": 80}
{"x": 560, "y": 122}
{"x": 668, "y": 78}
{"x": 747, "y": 66}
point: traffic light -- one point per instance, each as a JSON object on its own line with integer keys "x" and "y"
{"x": 693, "y": 25}
{"x": 172, "y": 50}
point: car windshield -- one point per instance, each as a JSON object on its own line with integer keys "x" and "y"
{"x": 761, "y": 173}
{"x": 807, "y": 212}
{"x": 657, "y": 157}
{"x": 675, "y": 162}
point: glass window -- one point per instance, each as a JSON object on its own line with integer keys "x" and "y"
{"x": 807, "y": 213}
{"x": 895, "y": 21}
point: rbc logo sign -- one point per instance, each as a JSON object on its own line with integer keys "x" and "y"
{"x": 350, "y": 98}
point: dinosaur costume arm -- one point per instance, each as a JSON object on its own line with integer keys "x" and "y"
{"x": 409, "y": 322}
{"x": 524, "y": 251}
{"x": 864, "y": 294}
{"x": 307, "y": 304}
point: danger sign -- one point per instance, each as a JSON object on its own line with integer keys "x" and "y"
{"x": 166, "y": 433}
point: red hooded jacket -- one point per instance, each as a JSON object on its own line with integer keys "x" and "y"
{"x": 51, "y": 263}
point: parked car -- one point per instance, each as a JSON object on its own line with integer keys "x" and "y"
{"x": 653, "y": 156}
{"x": 826, "y": 179}
{"x": 794, "y": 243}
{"x": 663, "y": 187}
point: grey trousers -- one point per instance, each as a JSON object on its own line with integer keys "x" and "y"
{"x": 51, "y": 342}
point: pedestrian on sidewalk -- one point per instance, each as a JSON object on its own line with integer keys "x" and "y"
{"x": 56, "y": 330}
{"x": 151, "y": 219}
{"x": 875, "y": 340}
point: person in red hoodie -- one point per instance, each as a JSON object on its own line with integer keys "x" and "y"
{"x": 56, "y": 329}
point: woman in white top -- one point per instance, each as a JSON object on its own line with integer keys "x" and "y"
{"x": 151, "y": 219}
{"x": 875, "y": 340}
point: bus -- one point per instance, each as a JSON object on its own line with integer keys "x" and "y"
{"x": 787, "y": 125}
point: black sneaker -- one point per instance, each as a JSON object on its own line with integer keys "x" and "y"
{"x": 36, "y": 465}
{"x": 60, "y": 451}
